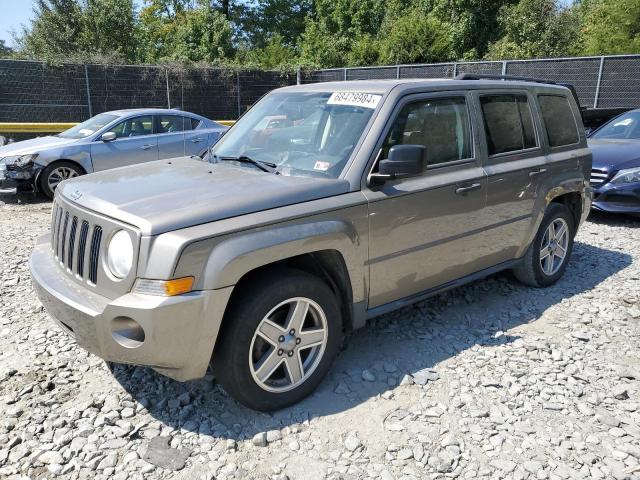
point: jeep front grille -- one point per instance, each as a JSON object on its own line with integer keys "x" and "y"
{"x": 598, "y": 177}
{"x": 79, "y": 238}
{"x": 69, "y": 248}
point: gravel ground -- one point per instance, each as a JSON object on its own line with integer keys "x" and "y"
{"x": 492, "y": 380}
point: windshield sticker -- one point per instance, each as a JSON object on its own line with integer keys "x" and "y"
{"x": 85, "y": 132}
{"x": 322, "y": 166}
{"x": 354, "y": 99}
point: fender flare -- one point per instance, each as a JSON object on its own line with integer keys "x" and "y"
{"x": 238, "y": 255}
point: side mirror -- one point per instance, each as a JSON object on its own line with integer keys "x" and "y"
{"x": 108, "y": 137}
{"x": 404, "y": 161}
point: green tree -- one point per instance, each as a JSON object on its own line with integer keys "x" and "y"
{"x": 5, "y": 52}
{"x": 55, "y": 30}
{"x": 275, "y": 54}
{"x": 201, "y": 34}
{"x": 109, "y": 27}
{"x": 472, "y": 24}
{"x": 611, "y": 27}
{"x": 337, "y": 25}
{"x": 63, "y": 28}
{"x": 415, "y": 37}
{"x": 267, "y": 18}
{"x": 184, "y": 30}
{"x": 537, "y": 28}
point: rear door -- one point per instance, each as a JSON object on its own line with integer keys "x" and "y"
{"x": 427, "y": 230}
{"x": 195, "y": 137}
{"x": 135, "y": 143}
{"x": 171, "y": 129}
{"x": 515, "y": 165}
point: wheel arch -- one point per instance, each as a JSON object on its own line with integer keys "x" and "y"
{"x": 328, "y": 265}
{"x": 573, "y": 201}
{"x": 38, "y": 179}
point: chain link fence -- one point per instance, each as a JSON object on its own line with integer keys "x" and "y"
{"x": 36, "y": 92}
{"x": 608, "y": 82}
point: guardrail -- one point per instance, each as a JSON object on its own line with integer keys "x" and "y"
{"x": 8, "y": 127}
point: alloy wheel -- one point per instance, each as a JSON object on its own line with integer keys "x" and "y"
{"x": 58, "y": 175}
{"x": 288, "y": 344}
{"x": 554, "y": 246}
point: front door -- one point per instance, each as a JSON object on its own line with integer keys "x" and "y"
{"x": 134, "y": 143}
{"x": 428, "y": 230}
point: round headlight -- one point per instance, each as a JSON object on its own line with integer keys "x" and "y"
{"x": 120, "y": 254}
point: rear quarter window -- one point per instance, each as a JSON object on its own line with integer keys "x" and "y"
{"x": 559, "y": 121}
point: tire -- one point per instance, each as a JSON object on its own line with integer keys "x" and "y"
{"x": 243, "y": 350}
{"x": 57, "y": 171}
{"x": 536, "y": 273}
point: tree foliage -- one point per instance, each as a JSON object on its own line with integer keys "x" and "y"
{"x": 536, "y": 28}
{"x": 63, "y": 28}
{"x": 5, "y": 51}
{"x": 177, "y": 30}
{"x": 612, "y": 26}
{"x": 327, "y": 33}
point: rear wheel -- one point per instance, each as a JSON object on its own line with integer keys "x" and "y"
{"x": 56, "y": 173}
{"x": 547, "y": 256}
{"x": 279, "y": 340}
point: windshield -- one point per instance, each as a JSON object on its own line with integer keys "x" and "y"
{"x": 88, "y": 127}
{"x": 626, "y": 127}
{"x": 309, "y": 134}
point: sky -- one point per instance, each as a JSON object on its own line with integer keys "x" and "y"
{"x": 18, "y": 12}
{"x": 14, "y": 13}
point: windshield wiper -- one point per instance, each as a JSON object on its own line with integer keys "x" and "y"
{"x": 262, "y": 165}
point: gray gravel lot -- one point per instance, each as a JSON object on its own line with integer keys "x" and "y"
{"x": 492, "y": 380}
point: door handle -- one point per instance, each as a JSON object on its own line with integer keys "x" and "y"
{"x": 467, "y": 189}
{"x": 196, "y": 140}
{"x": 535, "y": 173}
{"x": 146, "y": 147}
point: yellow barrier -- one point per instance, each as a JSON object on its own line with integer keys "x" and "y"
{"x": 34, "y": 127}
{"x": 7, "y": 127}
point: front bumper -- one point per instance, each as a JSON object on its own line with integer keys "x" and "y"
{"x": 623, "y": 198}
{"x": 12, "y": 181}
{"x": 179, "y": 332}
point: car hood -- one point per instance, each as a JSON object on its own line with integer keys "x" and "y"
{"x": 613, "y": 155}
{"x": 34, "y": 145}
{"x": 162, "y": 196}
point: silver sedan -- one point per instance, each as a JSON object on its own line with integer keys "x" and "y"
{"x": 108, "y": 140}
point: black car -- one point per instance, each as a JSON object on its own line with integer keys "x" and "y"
{"x": 616, "y": 164}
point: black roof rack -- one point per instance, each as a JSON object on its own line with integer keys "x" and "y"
{"x": 487, "y": 76}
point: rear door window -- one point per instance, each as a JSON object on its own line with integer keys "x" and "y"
{"x": 508, "y": 123}
{"x": 172, "y": 123}
{"x": 559, "y": 120}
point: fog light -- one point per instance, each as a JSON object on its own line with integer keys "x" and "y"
{"x": 127, "y": 332}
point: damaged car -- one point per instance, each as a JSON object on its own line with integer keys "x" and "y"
{"x": 105, "y": 141}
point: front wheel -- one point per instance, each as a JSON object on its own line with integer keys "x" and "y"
{"x": 56, "y": 173}
{"x": 280, "y": 336}
{"x": 547, "y": 256}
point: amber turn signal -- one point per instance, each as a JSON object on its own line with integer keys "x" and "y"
{"x": 165, "y": 288}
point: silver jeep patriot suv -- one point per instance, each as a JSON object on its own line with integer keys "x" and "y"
{"x": 324, "y": 205}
